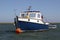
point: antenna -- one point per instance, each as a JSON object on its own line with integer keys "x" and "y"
{"x": 29, "y": 8}
{"x": 15, "y": 12}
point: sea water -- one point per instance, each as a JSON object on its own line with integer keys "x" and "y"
{"x": 7, "y": 32}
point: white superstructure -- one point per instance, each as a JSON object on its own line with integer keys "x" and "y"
{"x": 31, "y": 16}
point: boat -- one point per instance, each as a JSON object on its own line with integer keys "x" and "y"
{"x": 31, "y": 20}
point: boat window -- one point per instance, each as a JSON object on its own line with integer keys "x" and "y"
{"x": 23, "y": 15}
{"x": 38, "y": 15}
{"x": 32, "y": 15}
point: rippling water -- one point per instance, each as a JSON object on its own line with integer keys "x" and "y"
{"x": 7, "y": 32}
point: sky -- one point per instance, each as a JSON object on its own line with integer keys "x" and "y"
{"x": 49, "y": 8}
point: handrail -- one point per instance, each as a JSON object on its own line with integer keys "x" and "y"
{"x": 29, "y": 18}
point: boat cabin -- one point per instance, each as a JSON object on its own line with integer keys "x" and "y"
{"x": 31, "y": 14}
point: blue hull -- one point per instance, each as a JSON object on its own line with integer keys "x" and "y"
{"x": 31, "y": 26}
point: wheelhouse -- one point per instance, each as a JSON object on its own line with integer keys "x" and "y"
{"x": 31, "y": 14}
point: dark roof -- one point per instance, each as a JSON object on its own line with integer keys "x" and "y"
{"x": 32, "y": 11}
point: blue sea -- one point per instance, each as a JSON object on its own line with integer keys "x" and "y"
{"x": 7, "y": 32}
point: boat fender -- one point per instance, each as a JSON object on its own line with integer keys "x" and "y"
{"x": 18, "y": 30}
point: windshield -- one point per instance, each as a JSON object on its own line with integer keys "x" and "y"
{"x": 23, "y": 15}
{"x": 32, "y": 15}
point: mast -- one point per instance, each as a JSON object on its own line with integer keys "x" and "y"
{"x": 29, "y": 8}
{"x": 28, "y": 11}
